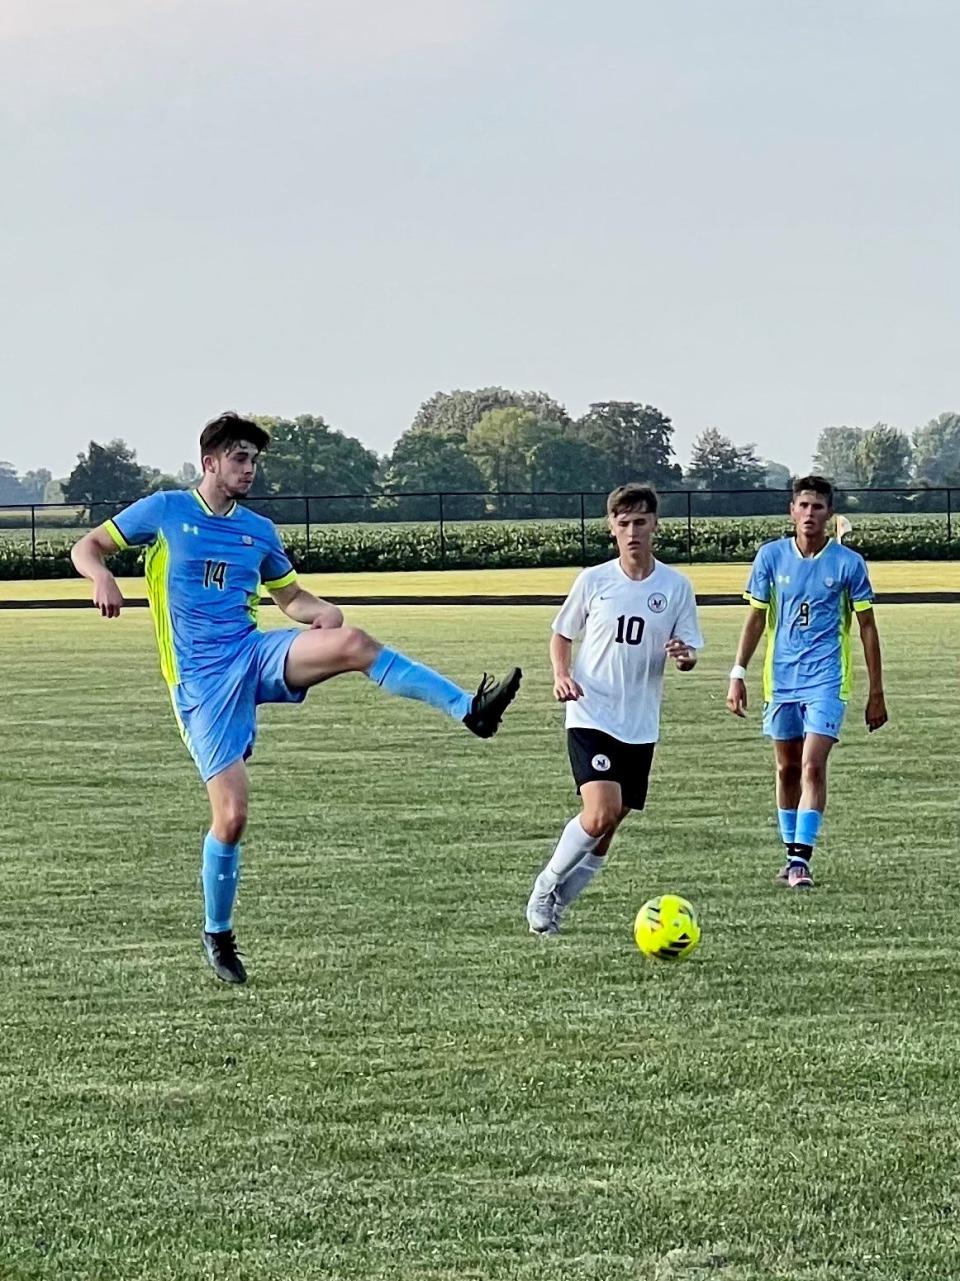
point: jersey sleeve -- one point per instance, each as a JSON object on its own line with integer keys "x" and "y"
{"x": 572, "y": 618}
{"x": 276, "y": 569}
{"x": 687, "y": 626}
{"x": 138, "y": 524}
{"x": 759, "y": 582}
{"x": 858, "y": 585}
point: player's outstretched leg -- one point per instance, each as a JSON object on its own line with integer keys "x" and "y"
{"x": 220, "y": 871}
{"x": 320, "y": 653}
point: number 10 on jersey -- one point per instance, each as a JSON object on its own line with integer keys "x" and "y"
{"x": 629, "y": 630}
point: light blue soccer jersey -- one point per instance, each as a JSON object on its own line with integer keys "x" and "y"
{"x": 809, "y": 602}
{"x": 204, "y": 574}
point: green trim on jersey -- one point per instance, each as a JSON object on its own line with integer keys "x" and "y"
{"x": 275, "y": 584}
{"x": 157, "y": 570}
{"x": 770, "y": 641}
{"x": 253, "y": 606}
{"x": 846, "y": 663}
{"x": 115, "y": 534}
{"x": 207, "y": 508}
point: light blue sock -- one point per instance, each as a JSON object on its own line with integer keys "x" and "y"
{"x": 808, "y": 827}
{"x": 788, "y": 825}
{"x": 400, "y": 675}
{"x": 220, "y": 873}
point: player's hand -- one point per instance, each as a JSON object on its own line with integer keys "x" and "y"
{"x": 566, "y": 689}
{"x": 686, "y": 658}
{"x": 737, "y": 698}
{"x": 107, "y": 596}
{"x": 330, "y": 616}
{"x": 876, "y": 713}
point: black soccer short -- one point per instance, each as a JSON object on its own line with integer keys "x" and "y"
{"x": 596, "y": 757}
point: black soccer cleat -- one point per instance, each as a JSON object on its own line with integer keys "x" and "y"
{"x": 490, "y": 702}
{"x": 221, "y": 952}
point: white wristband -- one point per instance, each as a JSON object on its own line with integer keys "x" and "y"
{"x": 738, "y": 672}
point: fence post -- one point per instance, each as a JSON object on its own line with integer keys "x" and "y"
{"x": 33, "y": 540}
{"x": 583, "y": 533}
{"x": 443, "y": 541}
{"x": 949, "y": 515}
{"x": 306, "y": 520}
{"x": 689, "y": 527}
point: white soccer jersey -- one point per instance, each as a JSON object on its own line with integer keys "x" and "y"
{"x": 623, "y": 626}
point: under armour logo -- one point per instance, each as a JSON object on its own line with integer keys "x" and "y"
{"x": 190, "y": 529}
{"x": 783, "y": 578}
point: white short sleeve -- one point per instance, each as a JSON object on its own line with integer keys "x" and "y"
{"x": 572, "y": 618}
{"x": 687, "y": 626}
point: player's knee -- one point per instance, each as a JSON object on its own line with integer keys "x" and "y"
{"x": 230, "y": 820}
{"x": 789, "y": 773}
{"x": 358, "y": 650}
{"x": 600, "y": 819}
{"x": 814, "y": 773}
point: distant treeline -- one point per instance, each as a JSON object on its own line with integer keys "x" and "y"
{"x": 494, "y": 440}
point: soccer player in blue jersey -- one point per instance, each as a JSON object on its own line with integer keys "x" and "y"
{"x": 206, "y": 559}
{"x": 802, "y": 593}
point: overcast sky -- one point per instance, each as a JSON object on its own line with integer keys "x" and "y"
{"x": 745, "y": 213}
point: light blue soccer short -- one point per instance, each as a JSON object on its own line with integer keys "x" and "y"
{"x": 824, "y": 716}
{"x": 217, "y": 712}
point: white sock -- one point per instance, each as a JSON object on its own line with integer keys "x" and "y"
{"x": 575, "y": 882}
{"x": 573, "y": 846}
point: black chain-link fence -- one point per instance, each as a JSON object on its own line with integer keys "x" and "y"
{"x": 449, "y": 530}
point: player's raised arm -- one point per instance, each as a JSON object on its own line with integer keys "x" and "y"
{"x": 876, "y": 713}
{"x": 303, "y": 607}
{"x": 136, "y": 526}
{"x": 88, "y": 555}
{"x": 280, "y": 580}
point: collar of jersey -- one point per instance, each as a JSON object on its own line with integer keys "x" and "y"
{"x": 799, "y": 554}
{"x": 624, "y": 575}
{"x": 207, "y": 508}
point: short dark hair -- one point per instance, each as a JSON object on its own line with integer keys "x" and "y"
{"x": 625, "y": 497}
{"x": 814, "y": 485}
{"x": 227, "y": 429}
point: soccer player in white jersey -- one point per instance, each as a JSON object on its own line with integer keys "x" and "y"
{"x": 207, "y": 558}
{"x": 631, "y": 615}
{"x": 802, "y": 592}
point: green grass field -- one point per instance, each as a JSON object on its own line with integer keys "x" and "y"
{"x": 411, "y": 1086}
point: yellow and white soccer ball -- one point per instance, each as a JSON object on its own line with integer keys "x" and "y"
{"x": 667, "y": 928}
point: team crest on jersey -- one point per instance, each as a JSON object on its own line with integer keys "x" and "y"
{"x": 601, "y": 763}
{"x": 247, "y": 540}
{"x": 828, "y": 582}
{"x": 656, "y": 603}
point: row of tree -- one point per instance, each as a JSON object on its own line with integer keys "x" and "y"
{"x": 496, "y": 441}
